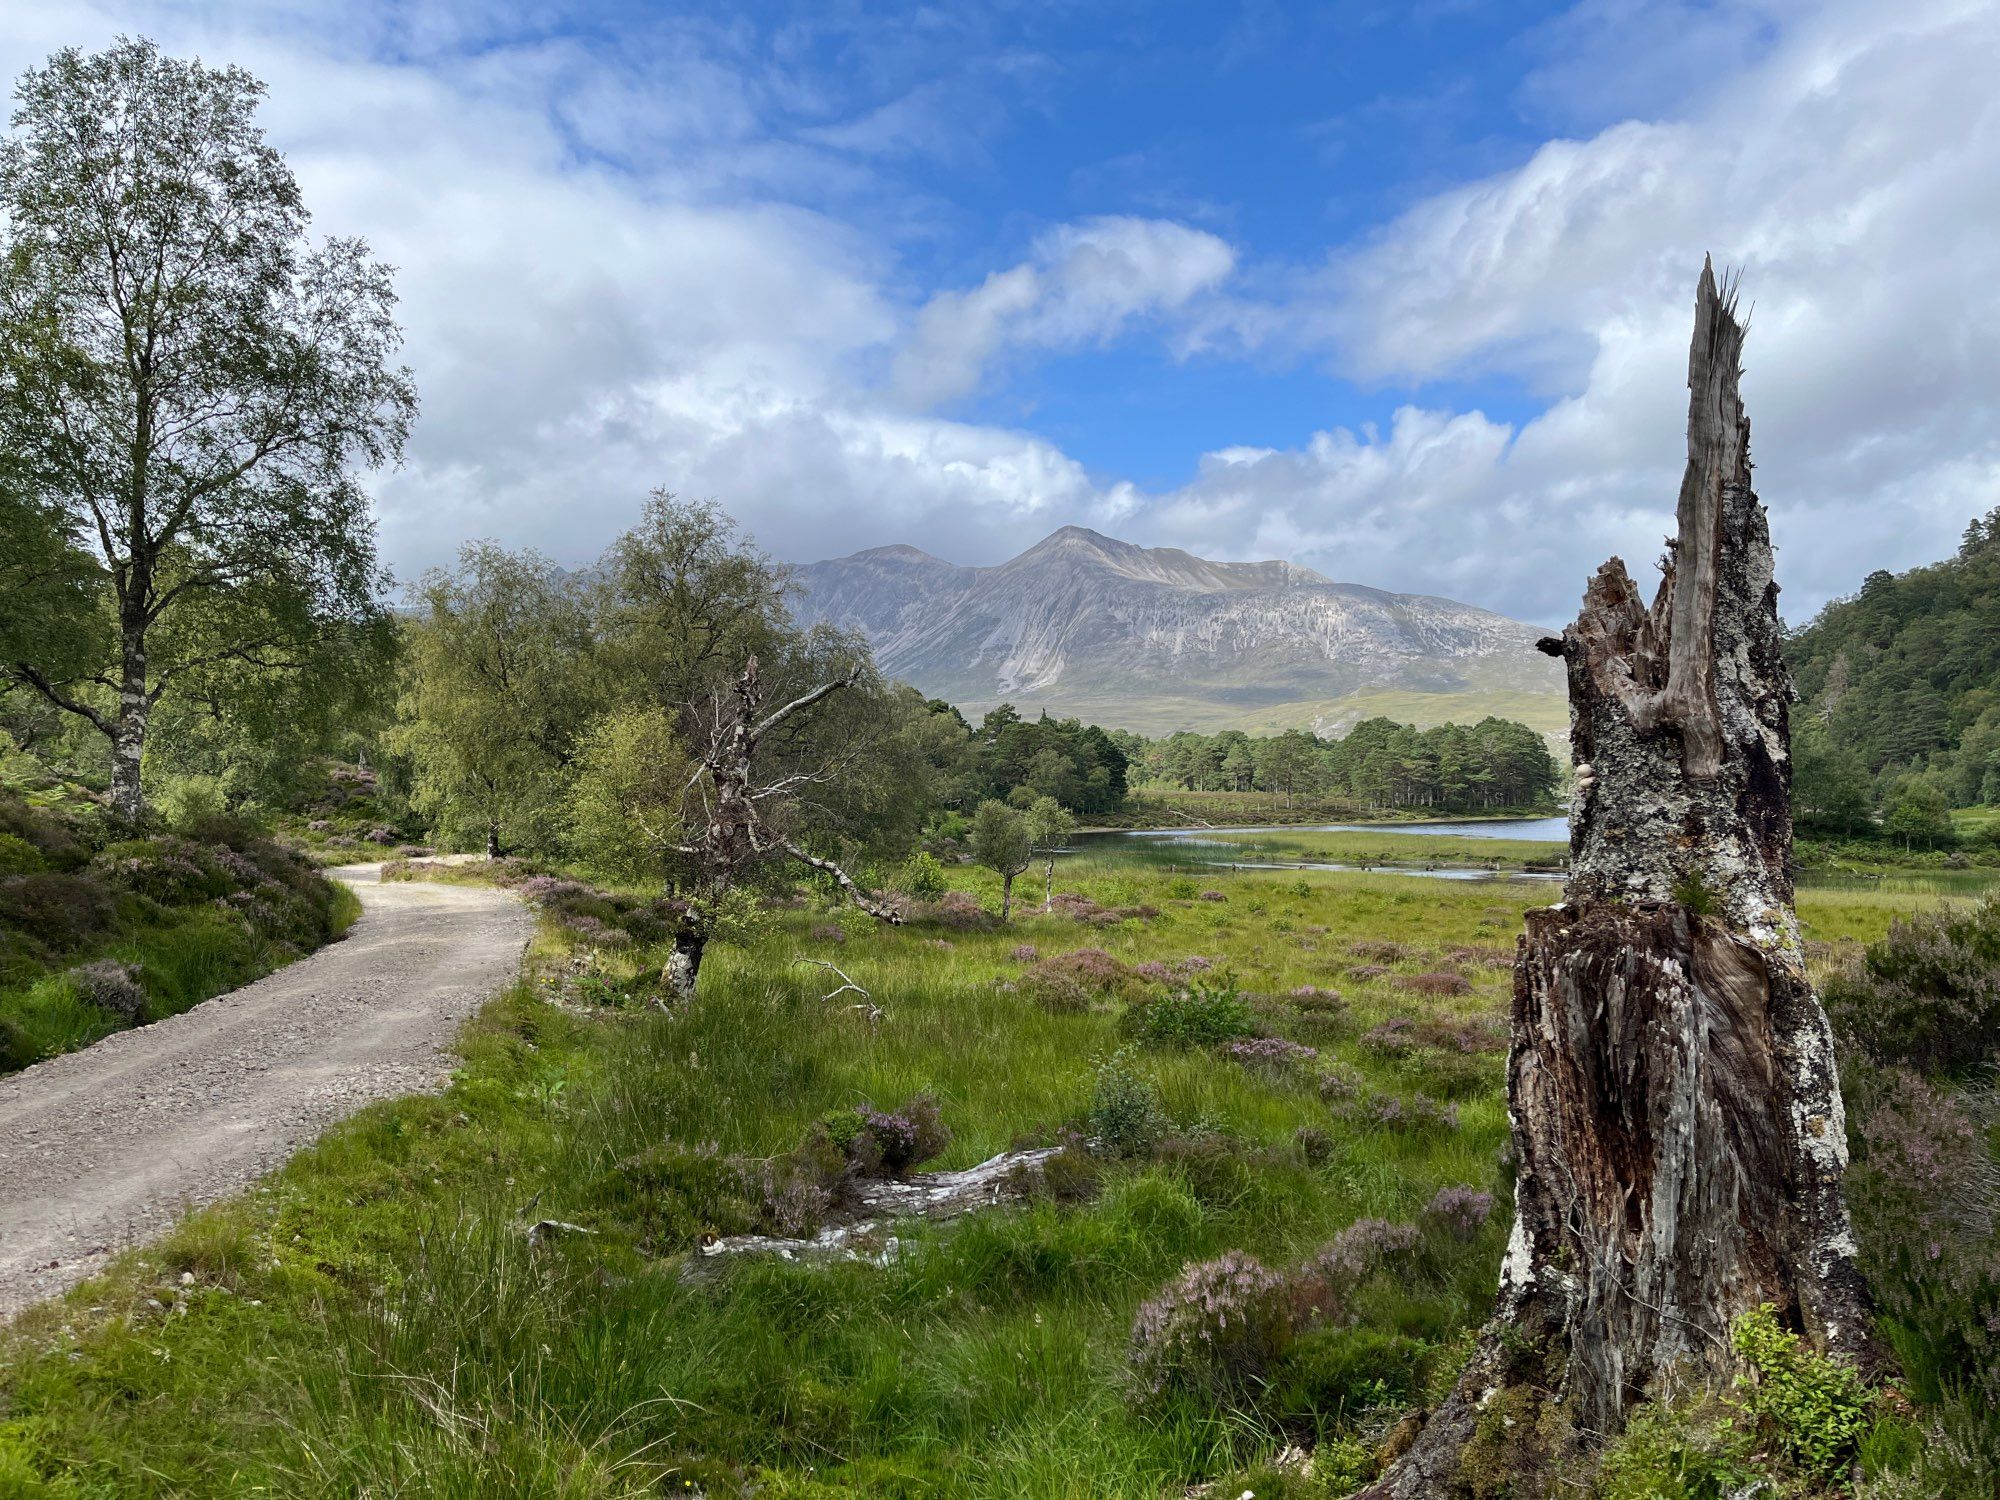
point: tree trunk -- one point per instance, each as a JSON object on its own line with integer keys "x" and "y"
{"x": 492, "y": 838}
{"x": 128, "y": 729}
{"x": 1006, "y": 896}
{"x": 1049, "y": 884}
{"x": 684, "y": 966}
{"x": 1677, "y": 1120}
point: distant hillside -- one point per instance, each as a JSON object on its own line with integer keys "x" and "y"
{"x": 1156, "y": 639}
{"x": 1907, "y": 672}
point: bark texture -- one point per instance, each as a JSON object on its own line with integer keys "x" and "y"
{"x": 1676, "y": 1112}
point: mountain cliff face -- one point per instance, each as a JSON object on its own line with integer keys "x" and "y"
{"x": 1156, "y": 639}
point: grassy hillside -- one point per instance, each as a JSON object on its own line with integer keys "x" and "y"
{"x": 376, "y": 1321}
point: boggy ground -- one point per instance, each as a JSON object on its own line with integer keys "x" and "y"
{"x": 373, "y": 1318}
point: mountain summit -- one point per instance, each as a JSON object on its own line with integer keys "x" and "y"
{"x": 1157, "y": 639}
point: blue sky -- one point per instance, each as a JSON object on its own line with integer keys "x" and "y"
{"x": 1397, "y": 290}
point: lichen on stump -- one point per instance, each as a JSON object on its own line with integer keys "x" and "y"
{"x": 1676, "y": 1113}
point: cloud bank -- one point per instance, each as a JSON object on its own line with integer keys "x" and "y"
{"x": 678, "y": 258}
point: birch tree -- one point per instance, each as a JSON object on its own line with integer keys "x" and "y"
{"x": 187, "y": 379}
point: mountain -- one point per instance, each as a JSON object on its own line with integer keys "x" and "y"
{"x": 1155, "y": 639}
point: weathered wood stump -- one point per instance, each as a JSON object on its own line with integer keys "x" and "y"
{"x": 1676, "y": 1112}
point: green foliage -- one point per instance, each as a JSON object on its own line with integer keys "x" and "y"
{"x": 1916, "y": 814}
{"x": 627, "y": 794}
{"x": 1678, "y": 1456}
{"x": 1902, "y": 675}
{"x": 1204, "y": 1014}
{"x": 922, "y": 876}
{"x": 206, "y": 523}
{"x": 1816, "y": 1409}
{"x": 1126, "y": 1115}
{"x": 1928, "y": 994}
{"x": 187, "y": 800}
{"x": 1378, "y": 763}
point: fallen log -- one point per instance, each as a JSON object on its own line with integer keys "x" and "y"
{"x": 875, "y": 1205}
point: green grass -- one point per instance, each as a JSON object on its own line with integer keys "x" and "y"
{"x": 371, "y": 1321}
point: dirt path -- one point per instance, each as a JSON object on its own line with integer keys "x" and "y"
{"x": 105, "y": 1148}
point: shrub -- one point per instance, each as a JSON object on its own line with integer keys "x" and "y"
{"x": 1024, "y": 953}
{"x": 1363, "y": 973}
{"x": 1202, "y": 1015}
{"x": 1070, "y": 981}
{"x": 110, "y": 986}
{"x": 829, "y": 932}
{"x": 1459, "y": 1212}
{"x": 1378, "y": 950}
{"x": 1816, "y": 1409}
{"x": 1928, "y": 994}
{"x": 1925, "y": 1192}
{"x": 1315, "y": 1145}
{"x": 1417, "y": 1115}
{"x": 1273, "y": 1056}
{"x": 18, "y": 856}
{"x": 1311, "y": 997}
{"x": 61, "y": 910}
{"x": 961, "y": 911}
{"x": 1213, "y": 896}
{"x": 1356, "y": 1253}
{"x": 1217, "y": 1329}
{"x": 922, "y": 877}
{"x": 883, "y": 1143}
{"x": 1126, "y": 1116}
{"x": 1438, "y": 983}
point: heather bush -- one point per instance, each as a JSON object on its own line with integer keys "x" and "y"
{"x": 110, "y": 986}
{"x": 62, "y": 911}
{"x": 1419, "y": 1114}
{"x": 1272, "y": 1056}
{"x": 1438, "y": 983}
{"x": 1459, "y": 1212}
{"x": 1213, "y": 896}
{"x": 1024, "y": 953}
{"x": 1126, "y": 1116}
{"x": 1925, "y": 1193}
{"x": 1378, "y": 950}
{"x": 1216, "y": 1330}
{"x": 1312, "y": 997}
{"x": 1070, "y": 981}
{"x": 886, "y": 1143}
{"x": 1202, "y": 1015}
{"x": 1927, "y": 995}
{"x": 961, "y": 911}
{"x": 1365, "y": 973}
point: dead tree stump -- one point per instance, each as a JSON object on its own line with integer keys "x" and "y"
{"x": 1676, "y": 1113}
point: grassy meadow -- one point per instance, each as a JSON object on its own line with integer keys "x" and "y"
{"x": 372, "y": 1320}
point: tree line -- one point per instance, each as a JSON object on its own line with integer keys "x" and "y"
{"x": 1378, "y": 764}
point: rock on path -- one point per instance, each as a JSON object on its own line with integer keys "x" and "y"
{"x": 106, "y": 1148}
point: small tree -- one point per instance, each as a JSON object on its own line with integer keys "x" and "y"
{"x": 187, "y": 384}
{"x": 1917, "y": 814}
{"x": 1049, "y": 828}
{"x": 1001, "y": 842}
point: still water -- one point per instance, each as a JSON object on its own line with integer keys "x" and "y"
{"x": 1215, "y": 846}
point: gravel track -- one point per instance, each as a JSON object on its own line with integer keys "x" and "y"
{"x": 106, "y": 1148}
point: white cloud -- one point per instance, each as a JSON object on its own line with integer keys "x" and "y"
{"x": 1085, "y": 283}
{"x": 662, "y": 260}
